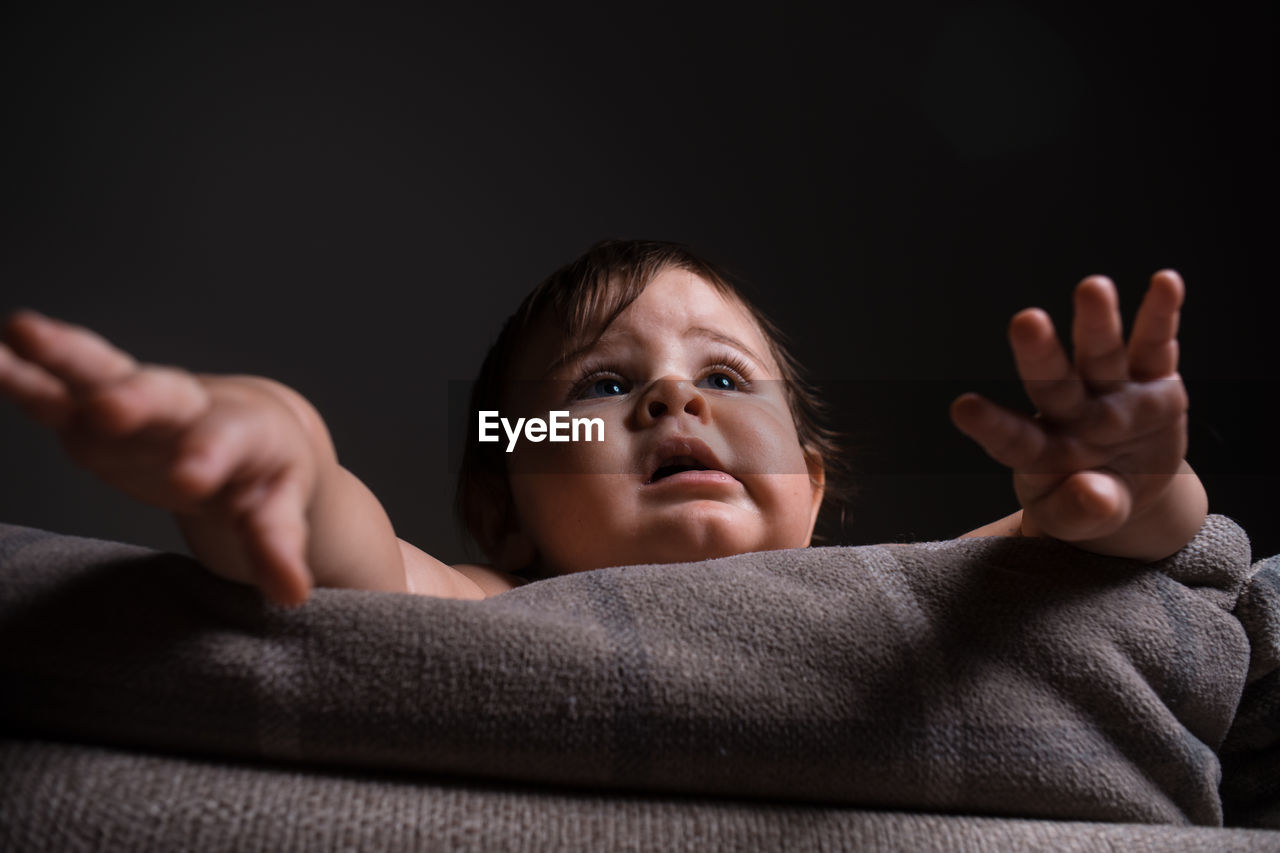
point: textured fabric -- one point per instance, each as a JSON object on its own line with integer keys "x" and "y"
{"x": 1251, "y": 753}
{"x": 1009, "y": 677}
{"x": 69, "y": 798}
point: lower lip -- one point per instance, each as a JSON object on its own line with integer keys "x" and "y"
{"x": 694, "y": 478}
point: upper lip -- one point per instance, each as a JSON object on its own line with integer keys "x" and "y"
{"x": 676, "y": 448}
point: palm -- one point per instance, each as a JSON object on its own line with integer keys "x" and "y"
{"x": 1110, "y": 429}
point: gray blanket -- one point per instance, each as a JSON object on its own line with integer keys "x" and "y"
{"x": 1005, "y": 677}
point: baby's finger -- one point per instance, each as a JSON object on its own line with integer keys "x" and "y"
{"x": 151, "y": 397}
{"x": 81, "y": 358}
{"x": 41, "y": 395}
{"x": 1052, "y": 384}
{"x": 1010, "y": 438}
{"x": 1098, "y": 336}
{"x": 1153, "y": 346}
{"x": 275, "y": 536}
{"x": 211, "y": 453}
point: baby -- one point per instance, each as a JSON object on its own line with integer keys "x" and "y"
{"x": 712, "y": 444}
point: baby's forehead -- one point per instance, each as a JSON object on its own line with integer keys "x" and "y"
{"x": 677, "y": 306}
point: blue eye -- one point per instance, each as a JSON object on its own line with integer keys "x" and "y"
{"x": 722, "y": 382}
{"x": 607, "y": 387}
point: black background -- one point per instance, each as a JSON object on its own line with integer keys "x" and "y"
{"x": 351, "y": 200}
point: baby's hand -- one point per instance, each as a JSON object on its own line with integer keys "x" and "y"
{"x": 1101, "y": 463}
{"x": 233, "y": 452}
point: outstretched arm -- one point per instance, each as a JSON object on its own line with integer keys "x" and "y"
{"x": 245, "y": 464}
{"x": 1101, "y": 463}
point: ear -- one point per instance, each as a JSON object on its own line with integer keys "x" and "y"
{"x": 818, "y": 480}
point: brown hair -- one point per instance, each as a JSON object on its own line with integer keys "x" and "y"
{"x": 583, "y": 297}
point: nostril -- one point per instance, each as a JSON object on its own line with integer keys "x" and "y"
{"x": 657, "y": 408}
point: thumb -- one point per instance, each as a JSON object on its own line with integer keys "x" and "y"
{"x": 1086, "y": 505}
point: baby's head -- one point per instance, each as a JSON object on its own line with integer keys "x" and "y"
{"x": 712, "y": 443}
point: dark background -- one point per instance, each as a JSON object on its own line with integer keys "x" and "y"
{"x": 352, "y": 200}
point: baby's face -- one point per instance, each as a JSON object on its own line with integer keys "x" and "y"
{"x": 700, "y": 456}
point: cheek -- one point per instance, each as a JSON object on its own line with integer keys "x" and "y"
{"x": 560, "y": 495}
{"x": 593, "y": 456}
{"x": 543, "y": 505}
{"x": 762, "y": 438}
{"x": 774, "y": 467}
{"x": 561, "y": 489}
{"x": 569, "y": 517}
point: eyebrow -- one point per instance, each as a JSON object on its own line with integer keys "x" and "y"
{"x": 720, "y": 337}
{"x": 698, "y": 331}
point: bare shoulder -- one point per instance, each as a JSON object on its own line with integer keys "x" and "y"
{"x": 426, "y": 575}
{"x": 488, "y": 578}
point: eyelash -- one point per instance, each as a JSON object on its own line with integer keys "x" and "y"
{"x": 725, "y": 363}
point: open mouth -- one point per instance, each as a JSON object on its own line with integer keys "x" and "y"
{"x": 685, "y": 460}
{"x": 676, "y": 465}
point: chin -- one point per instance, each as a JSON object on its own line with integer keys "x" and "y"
{"x": 700, "y": 536}
{"x": 702, "y": 530}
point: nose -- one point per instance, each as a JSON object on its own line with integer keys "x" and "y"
{"x": 668, "y": 397}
